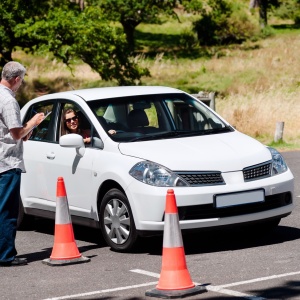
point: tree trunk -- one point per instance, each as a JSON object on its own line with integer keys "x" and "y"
{"x": 263, "y": 11}
{"x": 81, "y": 4}
{"x": 129, "y": 28}
{"x": 5, "y": 57}
{"x": 253, "y": 4}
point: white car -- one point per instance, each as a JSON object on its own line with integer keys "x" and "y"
{"x": 165, "y": 139}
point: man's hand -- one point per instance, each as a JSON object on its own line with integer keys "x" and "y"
{"x": 26, "y": 137}
{"x": 38, "y": 118}
{"x": 22, "y": 132}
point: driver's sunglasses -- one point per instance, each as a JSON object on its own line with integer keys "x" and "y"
{"x": 75, "y": 118}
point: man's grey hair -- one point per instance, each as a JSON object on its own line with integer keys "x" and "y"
{"x": 13, "y": 69}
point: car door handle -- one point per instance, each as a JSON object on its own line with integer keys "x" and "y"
{"x": 50, "y": 155}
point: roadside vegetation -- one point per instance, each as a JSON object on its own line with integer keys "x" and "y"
{"x": 255, "y": 75}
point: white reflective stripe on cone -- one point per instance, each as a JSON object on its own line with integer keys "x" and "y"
{"x": 172, "y": 233}
{"x": 62, "y": 214}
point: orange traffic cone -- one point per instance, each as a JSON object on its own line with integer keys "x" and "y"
{"x": 175, "y": 280}
{"x": 65, "y": 250}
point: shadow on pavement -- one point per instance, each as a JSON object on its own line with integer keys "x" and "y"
{"x": 82, "y": 233}
{"x": 194, "y": 243}
{"x": 290, "y": 288}
{"x": 221, "y": 240}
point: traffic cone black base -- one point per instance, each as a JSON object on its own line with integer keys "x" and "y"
{"x": 64, "y": 262}
{"x": 175, "y": 294}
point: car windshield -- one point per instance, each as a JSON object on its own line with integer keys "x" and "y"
{"x": 153, "y": 117}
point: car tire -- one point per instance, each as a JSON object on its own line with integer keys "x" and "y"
{"x": 24, "y": 221}
{"x": 116, "y": 221}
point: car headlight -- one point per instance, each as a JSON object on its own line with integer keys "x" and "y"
{"x": 155, "y": 174}
{"x": 278, "y": 164}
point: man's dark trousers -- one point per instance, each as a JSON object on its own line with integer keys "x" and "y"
{"x": 9, "y": 210}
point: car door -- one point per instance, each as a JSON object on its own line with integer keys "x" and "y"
{"x": 34, "y": 182}
{"x": 46, "y": 161}
{"x": 76, "y": 171}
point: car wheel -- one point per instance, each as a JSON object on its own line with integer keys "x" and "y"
{"x": 116, "y": 221}
{"x": 24, "y": 221}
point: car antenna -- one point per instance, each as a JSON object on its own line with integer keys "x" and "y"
{"x": 72, "y": 87}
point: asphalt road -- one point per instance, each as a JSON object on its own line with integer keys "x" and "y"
{"x": 230, "y": 264}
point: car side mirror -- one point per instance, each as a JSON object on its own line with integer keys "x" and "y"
{"x": 73, "y": 140}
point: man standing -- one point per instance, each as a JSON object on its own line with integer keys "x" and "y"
{"x": 12, "y": 135}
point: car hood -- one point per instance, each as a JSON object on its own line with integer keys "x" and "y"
{"x": 219, "y": 152}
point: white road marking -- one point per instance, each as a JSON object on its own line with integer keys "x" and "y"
{"x": 218, "y": 289}
{"x": 103, "y": 291}
{"x": 222, "y": 289}
{"x": 145, "y": 273}
{"x": 261, "y": 279}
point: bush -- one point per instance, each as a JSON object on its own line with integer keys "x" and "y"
{"x": 188, "y": 40}
{"x": 223, "y": 23}
{"x": 289, "y": 10}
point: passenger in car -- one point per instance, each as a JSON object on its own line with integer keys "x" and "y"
{"x": 72, "y": 125}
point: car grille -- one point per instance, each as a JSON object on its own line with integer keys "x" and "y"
{"x": 215, "y": 177}
{"x": 257, "y": 171}
{"x": 208, "y": 211}
{"x": 202, "y": 178}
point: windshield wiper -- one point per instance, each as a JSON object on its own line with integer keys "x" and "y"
{"x": 143, "y": 138}
{"x": 218, "y": 130}
{"x": 180, "y": 133}
{"x": 185, "y": 133}
{"x": 169, "y": 134}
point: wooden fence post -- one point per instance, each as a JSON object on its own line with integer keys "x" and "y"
{"x": 279, "y": 132}
{"x": 207, "y": 98}
{"x": 211, "y": 96}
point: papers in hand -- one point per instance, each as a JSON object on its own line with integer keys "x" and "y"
{"x": 42, "y": 120}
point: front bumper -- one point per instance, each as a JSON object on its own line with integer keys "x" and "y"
{"x": 196, "y": 204}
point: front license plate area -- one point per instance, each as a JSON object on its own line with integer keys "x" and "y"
{"x": 239, "y": 198}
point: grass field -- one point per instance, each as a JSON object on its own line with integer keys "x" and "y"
{"x": 257, "y": 84}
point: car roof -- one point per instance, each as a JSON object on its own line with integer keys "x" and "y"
{"x": 113, "y": 92}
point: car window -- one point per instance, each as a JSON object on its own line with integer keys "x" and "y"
{"x": 43, "y": 131}
{"x": 157, "y": 116}
{"x": 85, "y": 128}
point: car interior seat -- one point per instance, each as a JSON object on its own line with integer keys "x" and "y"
{"x": 137, "y": 120}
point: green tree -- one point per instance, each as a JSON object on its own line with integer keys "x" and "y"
{"x": 69, "y": 33}
{"x": 193, "y": 6}
{"x": 223, "y": 22}
{"x": 12, "y": 13}
{"x": 288, "y": 9}
{"x": 131, "y": 13}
